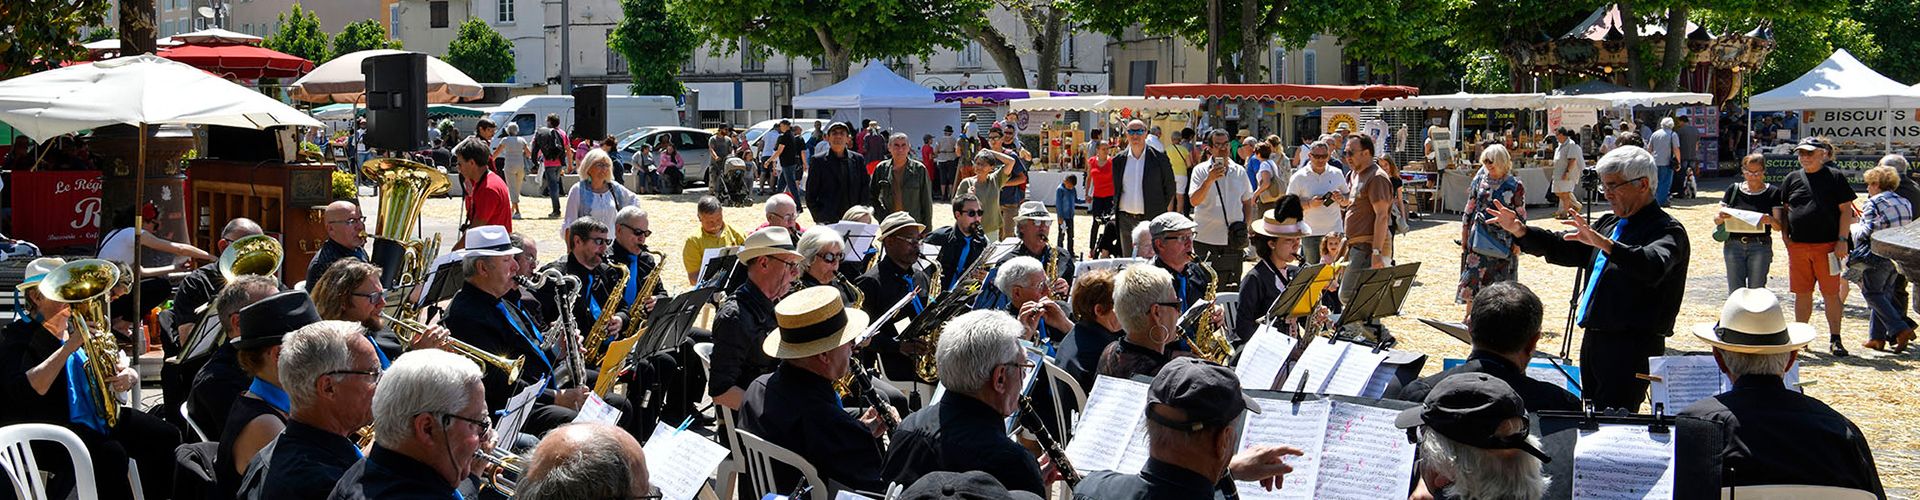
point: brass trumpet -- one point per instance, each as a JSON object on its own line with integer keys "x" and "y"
{"x": 503, "y": 472}
{"x": 408, "y": 330}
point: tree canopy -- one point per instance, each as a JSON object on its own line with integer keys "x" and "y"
{"x": 838, "y": 31}
{"x": 41, "y": 35}
{"x": 300, "y": 35}
{"x": 481, "y": 52}
{"x": 656, "y": 42}
{"x": 365, "y": 34}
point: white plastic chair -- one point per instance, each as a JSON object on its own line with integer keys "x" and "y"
{"x": 1065, "y": 410}
{"x": 729, "y": 471}
{"x": 1794, "y": 492}
{"x": 1230, "y": 302}
{"x": 188, "y": 416}
{"x": 16, "y": 455}
{"x": 758, "y": 458}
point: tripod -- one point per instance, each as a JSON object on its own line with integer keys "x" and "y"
{"x": 1590, "y": 183}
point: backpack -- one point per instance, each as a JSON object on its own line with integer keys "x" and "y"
{"x": 546, "y": 142}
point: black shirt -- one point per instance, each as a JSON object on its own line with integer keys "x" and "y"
{"x": 1813, "y": 204}
{"x": 477, "y": 318}
{"x": 1080, "y": 353}
{"x": 245, "y": 409}
{"x": 794, "y": 148}
{"x": 197, "y": 290}
{"x": 885, "y": 284}
{"x": 1777, "y": 436}
{"x": 642, "y": 265}
{"x": 740, "y": 326}
{"x": 388, "y": 475}
{"x": 960, "y": 434}
{"x": 24, "y": 345}
{"x": 1639, "y": 291}
{"x": 306, "y": 462}
{"x": 215, "y": 389}
{"x": 848, "y": 294}
{"x": 330, "y": 252}
{"x": 1124, "y": 359}
{"x": 598, "y": 282}
{"x": 836, "y": 182}
{"x": 1769, "y": 198}
{"x": 1061, "y": 261}
{"x": 1538, "y": 395}
{"x": 798, "y": 410}
{"x": 1157, "y": 480}
{"x": 953, "y": 243}
{"x": 1259, "y": 289}
{"x": 1189, "y": 283}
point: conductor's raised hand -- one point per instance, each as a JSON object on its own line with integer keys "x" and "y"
{"x": 1584, "y": 233}
{"x": 1506, "y": 218}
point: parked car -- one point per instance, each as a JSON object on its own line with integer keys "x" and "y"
{"x": 758, "y": 130}
{"x": 691, "y": 142}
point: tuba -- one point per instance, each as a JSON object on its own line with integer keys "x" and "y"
{"x": 1209, "y": 331}
{"x": 404, "y": 189}
{"x": 84, "y": 284}
{"x": 258, "y": 254}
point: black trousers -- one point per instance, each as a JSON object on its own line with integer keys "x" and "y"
{"x": 1127, "y": 220}
{"x": 1609, "y": 361}
{"x": 144, "y": 438}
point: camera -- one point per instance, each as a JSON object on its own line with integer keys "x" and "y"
{"x": 1590, "y": 180}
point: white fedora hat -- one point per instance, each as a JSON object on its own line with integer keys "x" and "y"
{"x": 1751, "y": 323}
{"x": 489, "y": 241}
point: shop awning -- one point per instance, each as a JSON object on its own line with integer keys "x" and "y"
{"x": 240, "y": 62}
{"x": 1281, "y": 91}
{"x": 1465, "y": 100}
{"x": 1104, "y": 104}
{"x": 983, "y": 97}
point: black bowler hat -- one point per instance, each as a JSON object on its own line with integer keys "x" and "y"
{"x": 973, "y": 485}
{"x": 1469, "y": 408}
{"x": 264, "y": 323}
{"x": 1208, "y": 393}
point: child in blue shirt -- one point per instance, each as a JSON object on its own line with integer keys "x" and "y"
{"x": 1065, "y": 200}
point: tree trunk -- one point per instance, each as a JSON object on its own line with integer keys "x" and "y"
{"x": 1674, "y": 60}
{"x": 1046, "y": 47}
{"x": 136, "y": 27}
{"x": 1004, "y": 54}
{"x": 1213, "y": 41}
{"x": 1253, "y": 46}
{"x": 1630, "y": 26}
{"x": 839, "y": 59}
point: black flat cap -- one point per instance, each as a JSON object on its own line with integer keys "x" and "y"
{"x": 1469, "y": 408}
{"x": 1209, "y": 394}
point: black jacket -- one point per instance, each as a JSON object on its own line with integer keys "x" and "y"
{"x": 330, "y": 252}
{"x": 836, "y": 182}
{"x": 476, "y": 317}
{"x": 1259, "y": 289}
{"x": 215, "y": 388}
{"x": 598, "y": 282}
{"x": 1156, "y": 184}
{"x": 1538, "y": 395}
{"x": 1641, "y": 287}
{"x": 884, "y": 284}
{"x": 305, "y": 462}
{"x": 798, "y": 410}
{"x": 959, "y": 434}
{"x": 1080, "y": 353}
{"x": 953, "y": 242}
{"x": 641, "y": 266}
{"x": 197, "y": 290}
{"x": 386, "y": 474}
{"x": 740, "y": 326}
{"x": 1777, "y": 436}
{"x": 1157, "y": 480}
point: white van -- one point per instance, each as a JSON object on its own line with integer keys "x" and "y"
{"x": 529, "y": 112}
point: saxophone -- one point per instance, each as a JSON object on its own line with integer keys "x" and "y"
{"x": 599, "y": 334}
{"x": 637, "y": 311}
{"x": 1053, "y": 272}
{"x": 1209, "y": 334}
{"x": 950, "y": 304}
{"x": 561, "y": 334}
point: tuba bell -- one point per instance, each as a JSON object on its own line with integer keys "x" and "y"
{"x": 404, "y": 189}
{"x": 258, "y": 254}
{"x": 84, "y": 284}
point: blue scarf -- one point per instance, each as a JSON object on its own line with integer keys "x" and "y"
{"x": 272, "y": 394}
{"x": 83, "y": 407}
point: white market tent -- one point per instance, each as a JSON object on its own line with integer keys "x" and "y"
{"x": 1463, "y": 100}
{"x": 1840, "y": 82}
{"x": 880, "y": 94}
{"x": 340, "y": 80}
{"x": 1106, "y": 104}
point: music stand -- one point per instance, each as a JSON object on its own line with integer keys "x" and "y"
{"x": 1301, "y": 291}
{"x": 721, "y": 268}
{"x": 442, "y": 284}
{"x": 1456, "y": 330}
{"x": 667, "y": 328}
{"x": 1380, "y": 294}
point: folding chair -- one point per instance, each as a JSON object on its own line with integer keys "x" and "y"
{"x": 758, "y": 458}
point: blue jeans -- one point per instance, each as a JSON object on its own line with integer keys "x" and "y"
{"x": 1664, "y": 191}
{"x": 1747, "y": 261}
{"x": 1877, "y": 285}
{"x": 790, "y": 182}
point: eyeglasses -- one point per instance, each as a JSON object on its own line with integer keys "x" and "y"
{"x": 781, "y": 216}
{"x": 478, "y": 423}
{"x": 641, "y": 232}
{"x": 1177, "y": 239}
{"x": 1610, "y": 186}
{"x": 1488, "y": 161}
{"x": 1348, "y": 154}
{"x": 370, "y": 373}
{"x": 914, "y": 240}
{"x": 1136, "y": 131}
{"x": 792, "y": 265}
{"x": 355, "y": 220}
{"x": 973, "y": 213}
{"x": 376, "y": 296}
{"x": 1173, "y": 304}
{"x": 831, "y": 257}
{"x": 1751, "y": 172}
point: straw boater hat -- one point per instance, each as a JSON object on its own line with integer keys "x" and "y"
{"x": 1751, "y": 323}
{"x": 1034, "y": 211}
{"x": 897, "y": 221}
{"x": 812, "y": 321}
{"x": 768, "y": 241}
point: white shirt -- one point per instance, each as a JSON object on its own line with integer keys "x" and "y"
{"x": 1568, "y": 161}
{"x": 1132, "y": 184}
{"x": 118, "y": 247}
{"x": 1153, "y": 141}
{"x": 768, "y": 142}
{"x": 1320, "y": 219}
{"x": 1213, "y": 217}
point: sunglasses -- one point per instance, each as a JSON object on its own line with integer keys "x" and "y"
{"x": 642, "y": 232}
{"x": 831, "y": 257}
{"x": 600, "y": 241}
{"x": 1135, "y": 131}
{"x": 973, "y": 213}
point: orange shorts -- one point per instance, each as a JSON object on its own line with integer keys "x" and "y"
{"x": 1807, "y": 266}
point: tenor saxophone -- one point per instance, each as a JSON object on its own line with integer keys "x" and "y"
{"x": 637, "y": 311}
{"x": 599, "y": 335}
{"x": 1209, "y": 332}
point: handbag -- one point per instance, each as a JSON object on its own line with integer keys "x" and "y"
{"x": 1487, "y": 245}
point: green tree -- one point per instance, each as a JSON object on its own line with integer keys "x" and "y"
{"x": 99, "y": 34}
{"x": 655, "y": 42}
{"x": 1890, "y": 21}
{"x": 365, "y": 34}
{"x": 838, "y": 31}
{"x": 299, "y": 35}
{"x": 1043, "y": 22}
{"x": 481, "y": 52}
{"x": 41, "y": 35}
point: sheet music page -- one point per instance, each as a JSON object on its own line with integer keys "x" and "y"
{"x": 1683, "y": 380}
{"x": 1082, "y": 267}
{"x": 1115, "y": 411}
{"x": 679, "y": 462}
{"x": 596, "y": 410}
{"x": 848, "y": 495}
{"x": 706, "y": 257}
{"x": 1302, "y": 426}
{"x": 1354, "y": 371}
{"x": 859, "y": 237}
{"x": 1381, "y": 379}
{"x": 1261, "y": 358}
{"x": 1365, "y": 456}
{"x": 1623, "y": 462}
{"x": 1135, "y": 456}
{"x": 1320, "y": 358}
{"x": 1547, "y": 372}
{"x": 518, "y": 408}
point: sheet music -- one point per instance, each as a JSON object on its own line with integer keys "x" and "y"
{"x": 1261, "y": 358}
{"x": 679, "y": 462}
{"x": 1136, "y": 454}
{"x": 1742, "y": 221}
{"x": 893, "y": 311}
{"x": 859, "y": 236}
{"x": 1547, "y": 372}
{"x": 1340, "y": 368}
{"x": 1082, "y": 267}
{"x": 1686, "y": 379}
{"x": 1378, "y": 383}
{"x": 1302, "y": 426}
{"x": 1114, "y": 416}
{"x": 518, "y": 408}
{"x": 1622, "y": 462}
{"x": 707, "y": 256}
{"x": 596, "y": 410}
{"x": 1365, "y": 456}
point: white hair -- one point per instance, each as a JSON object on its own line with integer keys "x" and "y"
{"x": 899, "y": 136}
{"x": 313, "y": 351}
{"x": 813, "y": 242}
{"x": 973, "y": 345}
{"x": 595, "y": 158}
{"x": 1739, "y": 363}
{"x": 1666, "y": 123}
{"x": 629, "y": 214}
{"x": 1630, "y": 162}
{"x": 1143, "y": 238}
{"x": 1017, "y": 271}
{"x": 470, "y": 265}
{"x": 1896, "y": 161}
{"x": 1483, "y": 474}
{"x": 422, "y": 381}
{"x": 779, "y": 200}
{"x": 1135, "y": 290}
{"x": 595, "y": 468}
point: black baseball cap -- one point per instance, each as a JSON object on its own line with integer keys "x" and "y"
{"x": 839, "y": 125}
{"x": 1209, "y": 394}
{"x": 264, "y": 323}
{"x": 1469, "y": 408}
{"x": 972, "y": 485}
{"x": 1812, "y": 142}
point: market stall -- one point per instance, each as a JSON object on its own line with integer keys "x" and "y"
{"x": 878, "y": 93}
{"x": 1041, "y": 183}
{"x": 1450, "y": 193}
{"x": 1852, "y": 105}
{"x": 1278, "y": 101}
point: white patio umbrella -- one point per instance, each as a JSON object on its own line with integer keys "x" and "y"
{"x": 340, "y": 80}
{"x": 211, "y": 36}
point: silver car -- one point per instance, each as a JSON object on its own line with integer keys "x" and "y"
{"x": 691, "y": 142}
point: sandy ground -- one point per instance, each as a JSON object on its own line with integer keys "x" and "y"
{"x": 1868, "y": 387}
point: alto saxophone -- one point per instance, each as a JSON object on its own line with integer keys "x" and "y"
{"x": 637, "y": 311}
{"x": 1209, "y": 334}
{"x": 599, "y": 335}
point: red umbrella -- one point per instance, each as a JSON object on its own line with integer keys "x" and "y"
{"x": 242, "y": 62}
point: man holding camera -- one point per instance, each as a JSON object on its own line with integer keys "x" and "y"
{"x": 1222, "y": 205}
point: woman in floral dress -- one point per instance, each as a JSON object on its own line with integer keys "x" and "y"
{"x": 1494, "y": 182}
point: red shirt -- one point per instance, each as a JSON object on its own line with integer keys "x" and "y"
{"x": 1100, "y": 171}
{"x": 487, "y": 203}
{"x": 926, "y": 158}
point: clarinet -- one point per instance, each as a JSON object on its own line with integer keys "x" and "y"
{"x": 863, "y": 382}
{"x": 1048, "y": 445}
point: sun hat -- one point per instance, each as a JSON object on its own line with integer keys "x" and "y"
{"x": 1751, "y": 322}
{"x": 897, "y": 221}
{"x": 1034, "y": 211}
{"x": 38, "y": 269}
{"x": 812, "y": 321}
{"x": 772, "y": 240}
{"x": 489, "y": 241}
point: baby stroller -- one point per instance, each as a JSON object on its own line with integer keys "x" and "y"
{"x": 735, "y": 187}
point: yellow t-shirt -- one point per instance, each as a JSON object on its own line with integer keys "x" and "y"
{"x": 1177, "y": 155}
{"x": 698, "y": 244}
